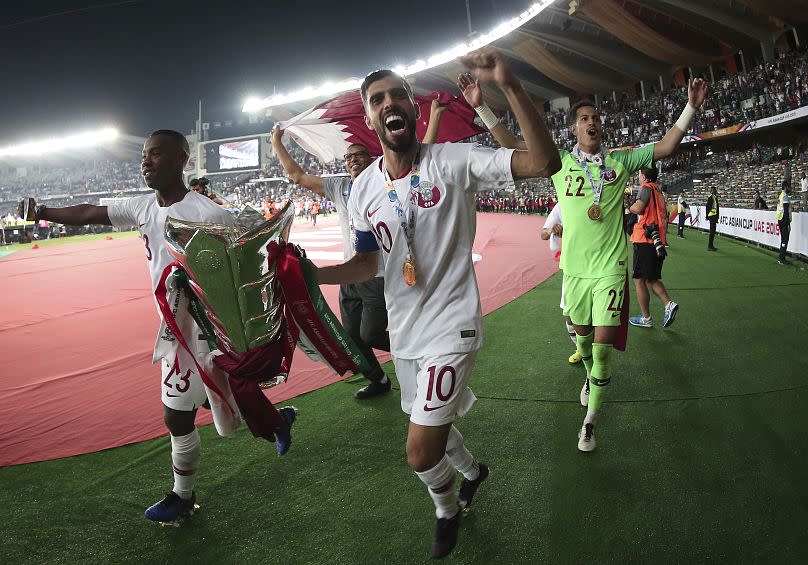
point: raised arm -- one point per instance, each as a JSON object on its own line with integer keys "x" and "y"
{"x": 470, "y": 87}
{"x": 541, "y": 158}
{"x": 435, "y": 113}
{"x": 298, "y": 176}
{"x": 696, "y": 94}
{"x": 80, "y": 215}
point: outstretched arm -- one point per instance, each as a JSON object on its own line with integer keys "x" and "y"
{"x": 470, "y": 87}
{"x": 435, "y": 114}
{"x": 80, "y": 215}
{"x": 696, "y": 94}
{"x": 358, "y": 269}
{"x": 298, "y": 176}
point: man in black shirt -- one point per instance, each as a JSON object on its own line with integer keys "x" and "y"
{"x": 760, "y": 204}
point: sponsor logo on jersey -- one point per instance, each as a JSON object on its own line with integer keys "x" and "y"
{"x": 428, "y": 408}
{"x": 370, "y": 214}
{"x": 428, "y": 194}
{"x": 468, "y": 333}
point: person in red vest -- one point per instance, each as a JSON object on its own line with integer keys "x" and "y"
{"x": 649, "y": 239}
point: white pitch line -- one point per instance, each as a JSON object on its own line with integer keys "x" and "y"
{"x": 308, "y": 244}
{"x": 310, "y": 235}
{"x": 325, "y": 255}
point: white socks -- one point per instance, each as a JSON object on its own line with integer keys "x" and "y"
{"x": 185, "y": 453}
{"x": 571, "y": 332}
{"x": 440, "y": 484}
{"x": 460, "y": 457}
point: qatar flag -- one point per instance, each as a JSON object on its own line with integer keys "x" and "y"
{"x": 329, "y": 128}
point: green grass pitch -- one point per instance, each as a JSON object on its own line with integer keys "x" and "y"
{"x": 702, "y": 452}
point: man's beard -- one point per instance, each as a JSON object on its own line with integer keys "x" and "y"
{"x": 402, "y": 145}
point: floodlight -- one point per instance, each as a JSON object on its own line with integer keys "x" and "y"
{"x": 52, "y": 145}
{"x": 442, "y": 57}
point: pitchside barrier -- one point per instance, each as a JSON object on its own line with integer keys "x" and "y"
{"x": 757, "y": 226}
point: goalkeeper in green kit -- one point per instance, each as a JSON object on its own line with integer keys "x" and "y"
{"x": 590, "y": 187}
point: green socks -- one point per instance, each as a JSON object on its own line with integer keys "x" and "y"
{"x": 600, "y": 374}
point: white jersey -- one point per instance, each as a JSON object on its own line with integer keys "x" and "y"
{"x": 441, "y": 313}
{"x": 144, "y": 212}
{"x": 338, "y": 190}
{"x": 554, "y": 219}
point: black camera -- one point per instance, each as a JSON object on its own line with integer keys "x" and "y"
{"x": 652, "y": 233}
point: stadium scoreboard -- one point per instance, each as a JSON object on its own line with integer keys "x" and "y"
{"x": 234, "y": 154}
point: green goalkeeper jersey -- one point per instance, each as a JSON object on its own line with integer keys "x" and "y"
{"x": 594, "y": 249}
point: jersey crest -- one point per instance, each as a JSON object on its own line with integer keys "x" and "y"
{"x": 428, "y": 194}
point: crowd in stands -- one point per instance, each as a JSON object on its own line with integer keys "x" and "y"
{"x": 766, "y": 90}
{"x": 737, "y": 184}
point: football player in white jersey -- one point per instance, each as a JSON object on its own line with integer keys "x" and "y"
{"x": 164, "y": 156}
{"x": 553, "y": 230}
{"x": 417, "y": 204}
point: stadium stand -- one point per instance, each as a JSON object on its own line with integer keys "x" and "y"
{"x": 765, "y": 90}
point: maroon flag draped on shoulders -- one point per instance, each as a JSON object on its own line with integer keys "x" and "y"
{"x": 329, "y": 128}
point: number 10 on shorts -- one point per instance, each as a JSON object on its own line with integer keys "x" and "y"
{"x": 437, "y": 384}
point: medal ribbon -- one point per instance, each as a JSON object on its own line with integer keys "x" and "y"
{"x": 408, "y": 221}
{"x": 598, "y": 159}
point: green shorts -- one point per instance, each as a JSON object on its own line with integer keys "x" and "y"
{"x": 594, "y": 302}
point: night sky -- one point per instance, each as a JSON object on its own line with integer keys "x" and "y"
{"x": 142, "y": 65}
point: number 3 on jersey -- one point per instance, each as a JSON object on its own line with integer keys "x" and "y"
{"x": 579, "y": 190}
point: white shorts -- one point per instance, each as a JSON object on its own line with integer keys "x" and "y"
{"x": 434, "y": 388}
{"x": 182, "y": 387}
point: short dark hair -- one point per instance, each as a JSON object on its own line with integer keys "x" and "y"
{"x": 786, "y": 183}
{"x": 176, "y": 136}
{"x": 379, "y": 75}
{"x": 577, "y": 106}
{"x": 651, "y": 174}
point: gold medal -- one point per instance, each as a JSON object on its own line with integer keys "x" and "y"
{"x": 594, "y": 212}
{"x": 408, "y": 270}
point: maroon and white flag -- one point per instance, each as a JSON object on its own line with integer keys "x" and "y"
{"x": 329, "y": 128}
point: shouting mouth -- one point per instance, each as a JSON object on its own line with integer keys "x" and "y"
{"x": 395, "y": 123}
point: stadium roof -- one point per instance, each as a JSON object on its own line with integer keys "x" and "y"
{"x": 598, "y": 46}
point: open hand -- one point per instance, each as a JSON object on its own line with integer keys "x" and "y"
{"x": 697, "y": 92}
{"x": 470, "y": 87}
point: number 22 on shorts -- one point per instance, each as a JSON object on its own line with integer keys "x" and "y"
{"x": 618, "y": 297}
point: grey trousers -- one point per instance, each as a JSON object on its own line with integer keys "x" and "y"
{"x": 364, "y": 316}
